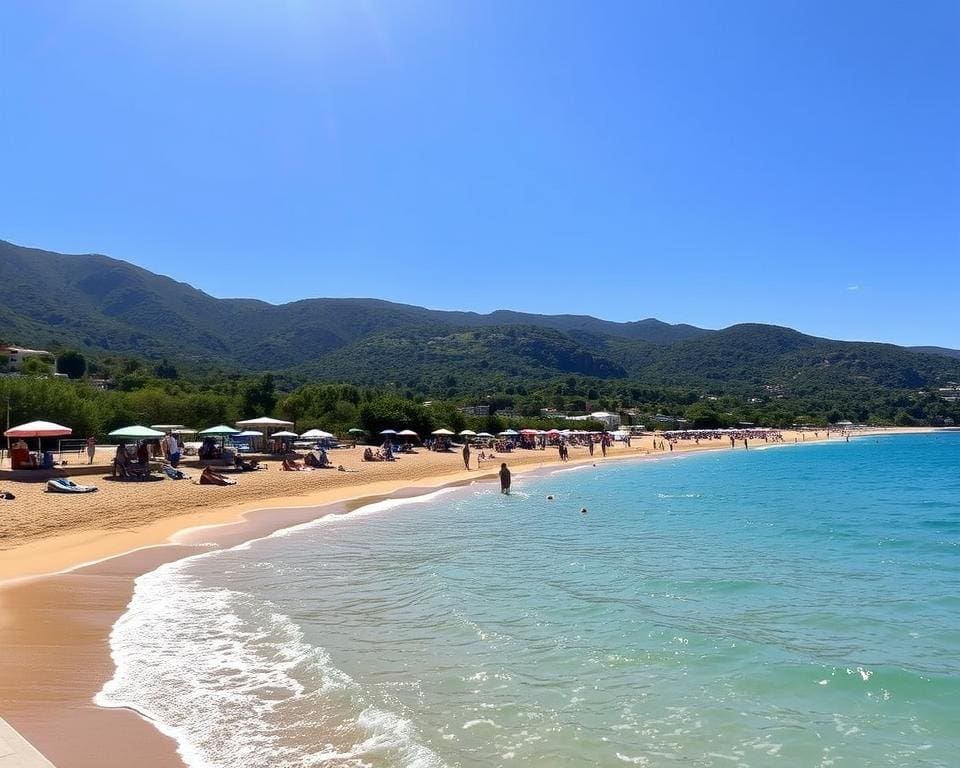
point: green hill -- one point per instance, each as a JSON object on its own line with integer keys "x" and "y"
{"x": 100, "y": 306}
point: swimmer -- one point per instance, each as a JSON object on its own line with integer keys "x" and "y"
{"x": 550, "y": 498}
{"x": 583, "y": 510}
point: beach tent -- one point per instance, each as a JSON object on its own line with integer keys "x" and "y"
{"x": 136, "y": 432}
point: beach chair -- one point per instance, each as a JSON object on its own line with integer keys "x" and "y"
{"x": 20, "y": 459}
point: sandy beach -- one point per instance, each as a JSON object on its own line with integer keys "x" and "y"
{"x": 68, "y": 564}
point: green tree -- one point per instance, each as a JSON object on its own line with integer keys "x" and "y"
{"x": 36, "y": 366}
{"x": 165, "y": 370}
{"x": 259, "y": 397}
{"x": 72, "y": 363}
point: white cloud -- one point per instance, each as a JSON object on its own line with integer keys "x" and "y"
{"x": 853, "y": 287}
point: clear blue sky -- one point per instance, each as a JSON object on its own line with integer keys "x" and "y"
{"x": 708, "y": 162}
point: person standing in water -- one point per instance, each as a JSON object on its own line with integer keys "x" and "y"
{"x": 504, "y": 479}
{"x": 466, "y": 455}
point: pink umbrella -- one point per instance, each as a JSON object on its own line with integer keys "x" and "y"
{"x": 38, "y": 429}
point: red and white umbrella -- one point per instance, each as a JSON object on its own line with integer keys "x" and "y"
{"x": 38, "y": 429}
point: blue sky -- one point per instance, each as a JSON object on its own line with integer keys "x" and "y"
{"x": 795, "y": 163}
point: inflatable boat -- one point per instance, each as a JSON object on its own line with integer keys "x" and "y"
{"x": 65, "y": 485}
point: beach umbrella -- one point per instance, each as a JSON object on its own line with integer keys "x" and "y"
{"x": 136, "y": 432}
{"x": 484, "y": 434}
{"x": 388, "y": 431}
{"x": 509, "y": 432}
{"x": 316, "y": 434}
{"x": 528, "y": 431}
{"x": 441, "y": 432}
{"x": 264, "y": 421}
{"x": 220, "y": 429}
{"x": 285, "y": 433}
{"x": 467, "y": 433}
{"x": 356, "y": 431}
{"x": 38, "y": 429}
{"x": 184, "y": 431}
{"x": 249, "y": 433}
{"x": 167, "y": 427}
{"x": 407, "y": 433}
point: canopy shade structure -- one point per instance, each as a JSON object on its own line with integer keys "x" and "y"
{"x": 467, "y": 433}
{"x": 284, "y": 433}
{"x": 137, "y": 432}
{"x": 315, "y": 434}
{"x": 442, "y": 432}
{"x": 220, "y": 429}
{"x": 264, "y": 421}
{"x": 167, "y": 427}
{"x": 407, "y": 433}
{"x": 249, "y": 433}
{"x": 38, "y": 429}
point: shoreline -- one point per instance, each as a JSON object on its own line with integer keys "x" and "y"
{"x": 58, "y": 622}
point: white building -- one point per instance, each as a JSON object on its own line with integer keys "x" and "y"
{"x": 16, "y": 356}
{"x": 609, "y": 420}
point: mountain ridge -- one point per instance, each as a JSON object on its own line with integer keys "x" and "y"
{"x": 105, "y": 306}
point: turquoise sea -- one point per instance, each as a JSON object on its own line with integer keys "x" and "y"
{"x": 790, "y": 606}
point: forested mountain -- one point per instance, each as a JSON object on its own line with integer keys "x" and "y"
{"x": 100, "y": 306}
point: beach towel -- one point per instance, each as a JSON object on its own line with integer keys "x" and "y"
{"x": 65, "y": 485}
{"x": 174, "y": 474}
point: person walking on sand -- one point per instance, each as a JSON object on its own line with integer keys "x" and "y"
{"x": 466, "y": 455}
{"x": 504, "y": 479}
{"x": 91, "y": 448}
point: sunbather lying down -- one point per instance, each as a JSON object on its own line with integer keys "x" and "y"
{"x": 290, "y": 465}
{"x": 318, "y": 461}
{"x": 341, "y": 468}
{"x": 209, "y": 477}
{"x": 245, "y": 465}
